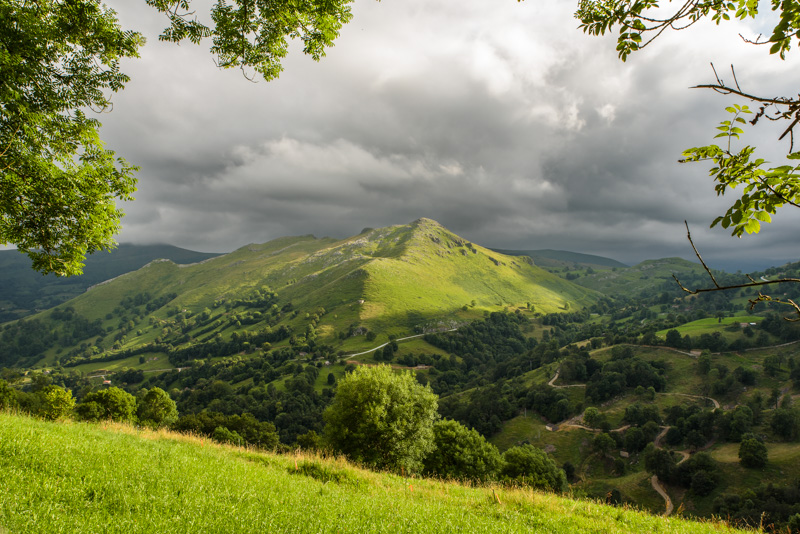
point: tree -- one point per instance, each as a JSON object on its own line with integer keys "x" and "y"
{"x": 157, "y": 409}
{"x": 784, "y": 423}
{"x": 703, "y": 483}
{"x": 56, "y": 402}
{"x": 58, "y": 183}
{"x": 382, "y": 418}
{"x": 704, "y": 363}
{"x": 8, "y": 396}
{"x": 531, "y": 466}
{"x": 57, "y": 180}
{"x": 659, "y": 462}
{"x": 674, "y": 339}
{"x": 603, "y": 443}
{"x": 461, "y": 453}
{"x": 635, "y": 439}
{"x": 592, "y": 417}
{"x": 112, "y": 403}
{"x": 752, "y": 453}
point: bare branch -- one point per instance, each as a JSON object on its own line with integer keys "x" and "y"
{"x": 789, "y": 129}
{"x": 689, "y": 236}
{"x": 724, "y": 89}
{"x": 734, "y": 78}
{"x": 753, "y": 283}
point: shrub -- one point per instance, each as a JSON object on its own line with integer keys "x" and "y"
{"x": 531, "y": 466}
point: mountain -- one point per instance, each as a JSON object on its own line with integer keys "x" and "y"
{"x": 24, "y": 291}
{"x": 399, "y": 279}
{"x": 562, "y": 258}
{"x": 647, "y": 276}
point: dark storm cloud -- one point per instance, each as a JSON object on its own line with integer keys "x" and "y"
{"x": 502, "y": 122}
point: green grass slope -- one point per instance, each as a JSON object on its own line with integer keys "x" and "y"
{"x": 563, "y": 258}
{"x": 23, "y": 291}
{"x": 76, "y": 478}
{"x": 438, "y": 272}
{"x": 395, "y": 279}
{"x": 631, "y": 281}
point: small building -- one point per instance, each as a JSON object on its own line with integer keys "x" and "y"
{"x": 106, "y": 382}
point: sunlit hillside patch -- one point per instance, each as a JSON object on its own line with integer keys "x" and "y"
{"x": 74, "y": 477}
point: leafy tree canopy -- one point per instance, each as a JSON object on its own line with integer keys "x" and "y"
{"x": 531, "y": 466}
{"x": 461, "y": 453}
{"x": 763, "y": 190}
{"x": 59, "y": 184}
{"x": 382, "y": 418}
{"x": 157, "y": 409}
{"x": 112, "y": 403}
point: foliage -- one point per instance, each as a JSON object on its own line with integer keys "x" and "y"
{"x": 382, "y": 418}
{"x": 752, "y": 453}
{"x": 771, "y": 504}
{"x": 8, "y": 396}
{"x": 56, "y": 402}
{"x": 237, "y": 428}
{"x": 763, "y": 190}
{"x": 157, "y": 409}
{"x": 785, "y": 422}
{"x": 659, "y": 462}
{"x": 113, "y": 403}
{"x": 58, "y": 182}
{"x": 603, "y": 443}
{"x": 461, "y": 453}
{"x": 255, "y": 34}
{"x": 531, "y": 466}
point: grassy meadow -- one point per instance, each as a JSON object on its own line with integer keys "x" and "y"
{"x": 74, "y": 477}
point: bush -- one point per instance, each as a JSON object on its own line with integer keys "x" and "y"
{"x": 112, "y": 403}
{"x": 752, "y": 453}
{"x": 461, "y": 453}
{"x": 157, "y": 409}
{"x": 532, "y": 467}
{"x": 56, "y": 402}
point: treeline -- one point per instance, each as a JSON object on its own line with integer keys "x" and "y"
{"x": 245, "y": 341}
{"x": 246, "y": 385}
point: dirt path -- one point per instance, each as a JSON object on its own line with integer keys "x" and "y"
{"x": 669, "y": 507}
{"x": 398, "y": 340}
{"x": 714, "y": 401}
{"x": 660, "y": 489}
{"x": 555, "y": 377}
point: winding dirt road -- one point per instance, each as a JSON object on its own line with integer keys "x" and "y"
{"x": 654, "y": 482}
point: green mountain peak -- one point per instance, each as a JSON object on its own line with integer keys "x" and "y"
{"x": 400, "y": 278}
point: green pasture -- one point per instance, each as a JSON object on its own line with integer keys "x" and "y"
{"x": 74, "y": 477}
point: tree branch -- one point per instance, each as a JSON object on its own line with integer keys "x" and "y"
{"x": 761, "y": 297}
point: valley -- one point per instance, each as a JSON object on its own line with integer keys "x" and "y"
{"x": 613, "y": 371}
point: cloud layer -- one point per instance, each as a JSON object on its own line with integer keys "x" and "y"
{"x": 501, "y": 120}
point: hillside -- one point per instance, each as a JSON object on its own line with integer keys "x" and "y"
{"x": 563, "y": 258}
{"x": 649, "y": 275}
{"x": 399, "y": 279}
{"x": 74, "y": 477}
{"x": 24, "y": 291}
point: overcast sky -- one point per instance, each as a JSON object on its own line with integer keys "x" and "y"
{"x": 499, "y": 119}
